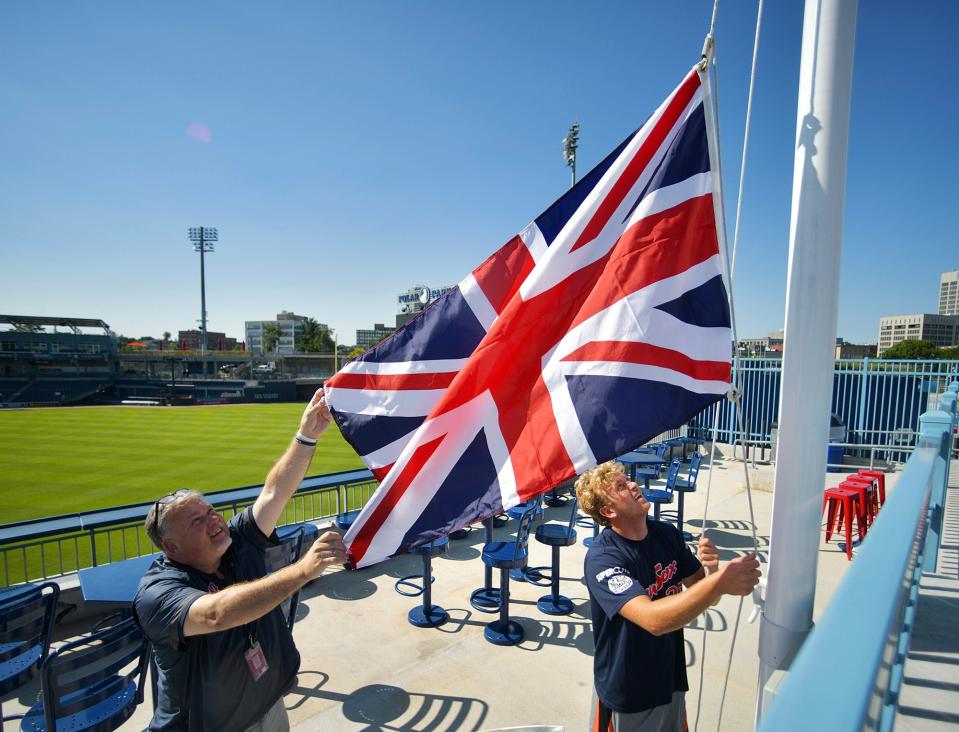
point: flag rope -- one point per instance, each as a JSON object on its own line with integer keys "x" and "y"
{"x": 735, "y": 393}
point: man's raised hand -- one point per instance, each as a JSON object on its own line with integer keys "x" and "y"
{"x": 316, "y": 417}
{"x": 325, "y": 551}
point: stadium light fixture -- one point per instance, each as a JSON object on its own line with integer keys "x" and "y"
{"x": 203, "y": 238}
{"x": 570, "y": 143}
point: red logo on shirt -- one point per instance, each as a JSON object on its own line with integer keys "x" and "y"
{"x": 662, "y": 577}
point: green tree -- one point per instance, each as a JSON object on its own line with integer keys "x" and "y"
{"x": 356, "y": 352}
{"x": 166, "y": 340}
{"x": 912, "y": 349}
{"x": 271, "y": 336}
{"x": 315, "y": 338}
{"x": 949, "y": 353}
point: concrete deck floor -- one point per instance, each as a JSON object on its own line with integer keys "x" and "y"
{"x": 365, "y": 668}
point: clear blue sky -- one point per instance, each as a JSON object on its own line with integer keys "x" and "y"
{"x": 357, "y": 149}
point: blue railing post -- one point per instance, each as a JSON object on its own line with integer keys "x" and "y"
{"x": 936, "y": 426}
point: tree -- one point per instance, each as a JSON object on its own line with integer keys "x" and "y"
{"x": 951, "y": 354}
{"x": 356, "y": 352}
{"x": 912, "y": 349}
{"x": 315, "y": 338}
{"x": 166, "y": 340}
{"x": 271, "y": 336}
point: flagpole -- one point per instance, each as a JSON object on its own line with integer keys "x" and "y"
{"x": 815, "y": 245}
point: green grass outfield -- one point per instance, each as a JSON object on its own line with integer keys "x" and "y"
{"x": 57, "y": 461}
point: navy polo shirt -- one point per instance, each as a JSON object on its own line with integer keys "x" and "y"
{"x": 204, "y": 681}
{"x": 633, "y": 669}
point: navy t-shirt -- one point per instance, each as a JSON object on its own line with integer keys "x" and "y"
{"x": 633, "y": 669}
{"x": 205, "y": 682}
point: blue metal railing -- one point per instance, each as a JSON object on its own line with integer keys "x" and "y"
{"x": 59, "y": 545}
{"x": 878, "y": 400}
{"x": 848, "y": 673}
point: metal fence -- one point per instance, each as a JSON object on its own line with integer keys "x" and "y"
{"x": 852, "y": 662}
{"x": 878, "y": 401}
{"x": 62, "y": 545}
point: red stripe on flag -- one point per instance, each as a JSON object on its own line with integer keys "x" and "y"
{"x": 500, "y": 276}
{"x": 361, "y": 542}
{"x": 380, "y": 473}
{"x": 398, "y": 382}
{"x": 650, "y": 355}
{"x": 640, "y": 160}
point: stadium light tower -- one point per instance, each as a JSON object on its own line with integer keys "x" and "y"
{"x": 570, "y": 143}
{"x": 203, "y": 238}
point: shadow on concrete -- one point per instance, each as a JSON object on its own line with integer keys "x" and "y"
{"x": 385, "y": 707}
{"x": 731, "y": 524}
{"x": 715, "y": 622}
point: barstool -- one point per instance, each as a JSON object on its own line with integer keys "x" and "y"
{"x": 880, "y": 478}
{"x": 345, "y": 520}
{"x": 557, "y": 536}
{"x": 517, "y": 512}
{"x": 847, "y": 501}
{"x": 504, "y": 556}
{"x": 426, "y": 615}
{"x": 486, "y": 598}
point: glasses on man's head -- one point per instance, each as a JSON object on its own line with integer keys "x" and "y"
{"x": 169, "y": 497}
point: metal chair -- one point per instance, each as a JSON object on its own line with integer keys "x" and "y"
{"x": 557, "y": 536}
{"x": 684, "y": 486}
{"x": 504, "y": 556}
{"x": 486, "y": 598}
{"x": 664, "y": 495}
{"x": 647, "y": 474}
{"x": 26, "y": 622}
{"x": 516, "y": 513}
{"x": 426, "y": 615}
{"x": 288, "y": 551}
{"x": 92, "y": 683}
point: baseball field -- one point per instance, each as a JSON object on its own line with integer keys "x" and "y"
{"x": 59, "y": 461}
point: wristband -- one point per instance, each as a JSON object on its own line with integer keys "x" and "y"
{"x": 304, "y": 440}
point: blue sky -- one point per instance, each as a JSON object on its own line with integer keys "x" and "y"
{"x": 357, "y": 149}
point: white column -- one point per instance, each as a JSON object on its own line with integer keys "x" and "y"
{"x": 815, "y": 243}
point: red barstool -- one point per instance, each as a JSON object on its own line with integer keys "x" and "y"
{"x": 870, "y": 500}
{"x": 880, "y": 478}
{"x": 846, "y": 502}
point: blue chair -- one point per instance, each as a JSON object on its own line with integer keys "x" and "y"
{"x": 663, "y": 496}
{"x": 695, "y": 442}
{"x": 557, "y": 536}
{"x": 92, "y": 683}
{"x": 293, "y": 539}
{"x": 345, "y": 520}
{"x": 426, "y": 615}
{"x": 647, "y": 474}
{"x": 686, "y": 485}
{"x": 26, "y": 622}
{"x": 516, "y": 513}
{"x": 504, "y": 556}
{"x": 486, "y": 598}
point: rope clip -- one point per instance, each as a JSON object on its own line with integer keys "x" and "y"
{"x": 733, "y": 394}
{"x": 708, "y": 45}
{"x": 759, "y": 603}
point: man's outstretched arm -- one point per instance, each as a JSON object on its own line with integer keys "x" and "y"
{"x": 290, "y": 469}
{"x": 667, "y": 614}
{"x": 244, "y": 602}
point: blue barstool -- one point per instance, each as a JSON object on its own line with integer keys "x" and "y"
{"x": 683, "y": 486}
{"x": 557, "y": 536}
{"x": 486, "y": 598}
{"x": 516, "y": 512}
{"x": 664, "y": 495}
{"x": 504, "y": 556}
{"x": 426, "y": 615}
{"x": 344, "y": 521}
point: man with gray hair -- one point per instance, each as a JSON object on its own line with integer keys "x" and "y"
{"x": 223, "y": 649}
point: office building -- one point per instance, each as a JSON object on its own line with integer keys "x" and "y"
{"x": 949, "y": 293}
{"x": 366, "y": 339}
{"x": 290, "y": 326}
{"x": 940, "y": 330}
{"x": 411, "y": 303}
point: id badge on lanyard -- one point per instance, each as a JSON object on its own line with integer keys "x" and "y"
{"x": 255, "y": 660}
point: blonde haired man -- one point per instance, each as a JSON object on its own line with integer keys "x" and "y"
{"x": 636, "y": 572}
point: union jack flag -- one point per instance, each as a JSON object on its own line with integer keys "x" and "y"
{"x": 602, "y": 324}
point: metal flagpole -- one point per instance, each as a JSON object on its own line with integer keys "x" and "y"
{"x": 815, "y": 244}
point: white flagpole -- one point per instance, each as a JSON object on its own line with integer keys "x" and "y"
{"x": 815, "y": 244}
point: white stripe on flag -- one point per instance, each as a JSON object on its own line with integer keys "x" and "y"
{"x": 392, "y": 403}
{"x": 478, "y": 302}
{"x": 400, "y": 368}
